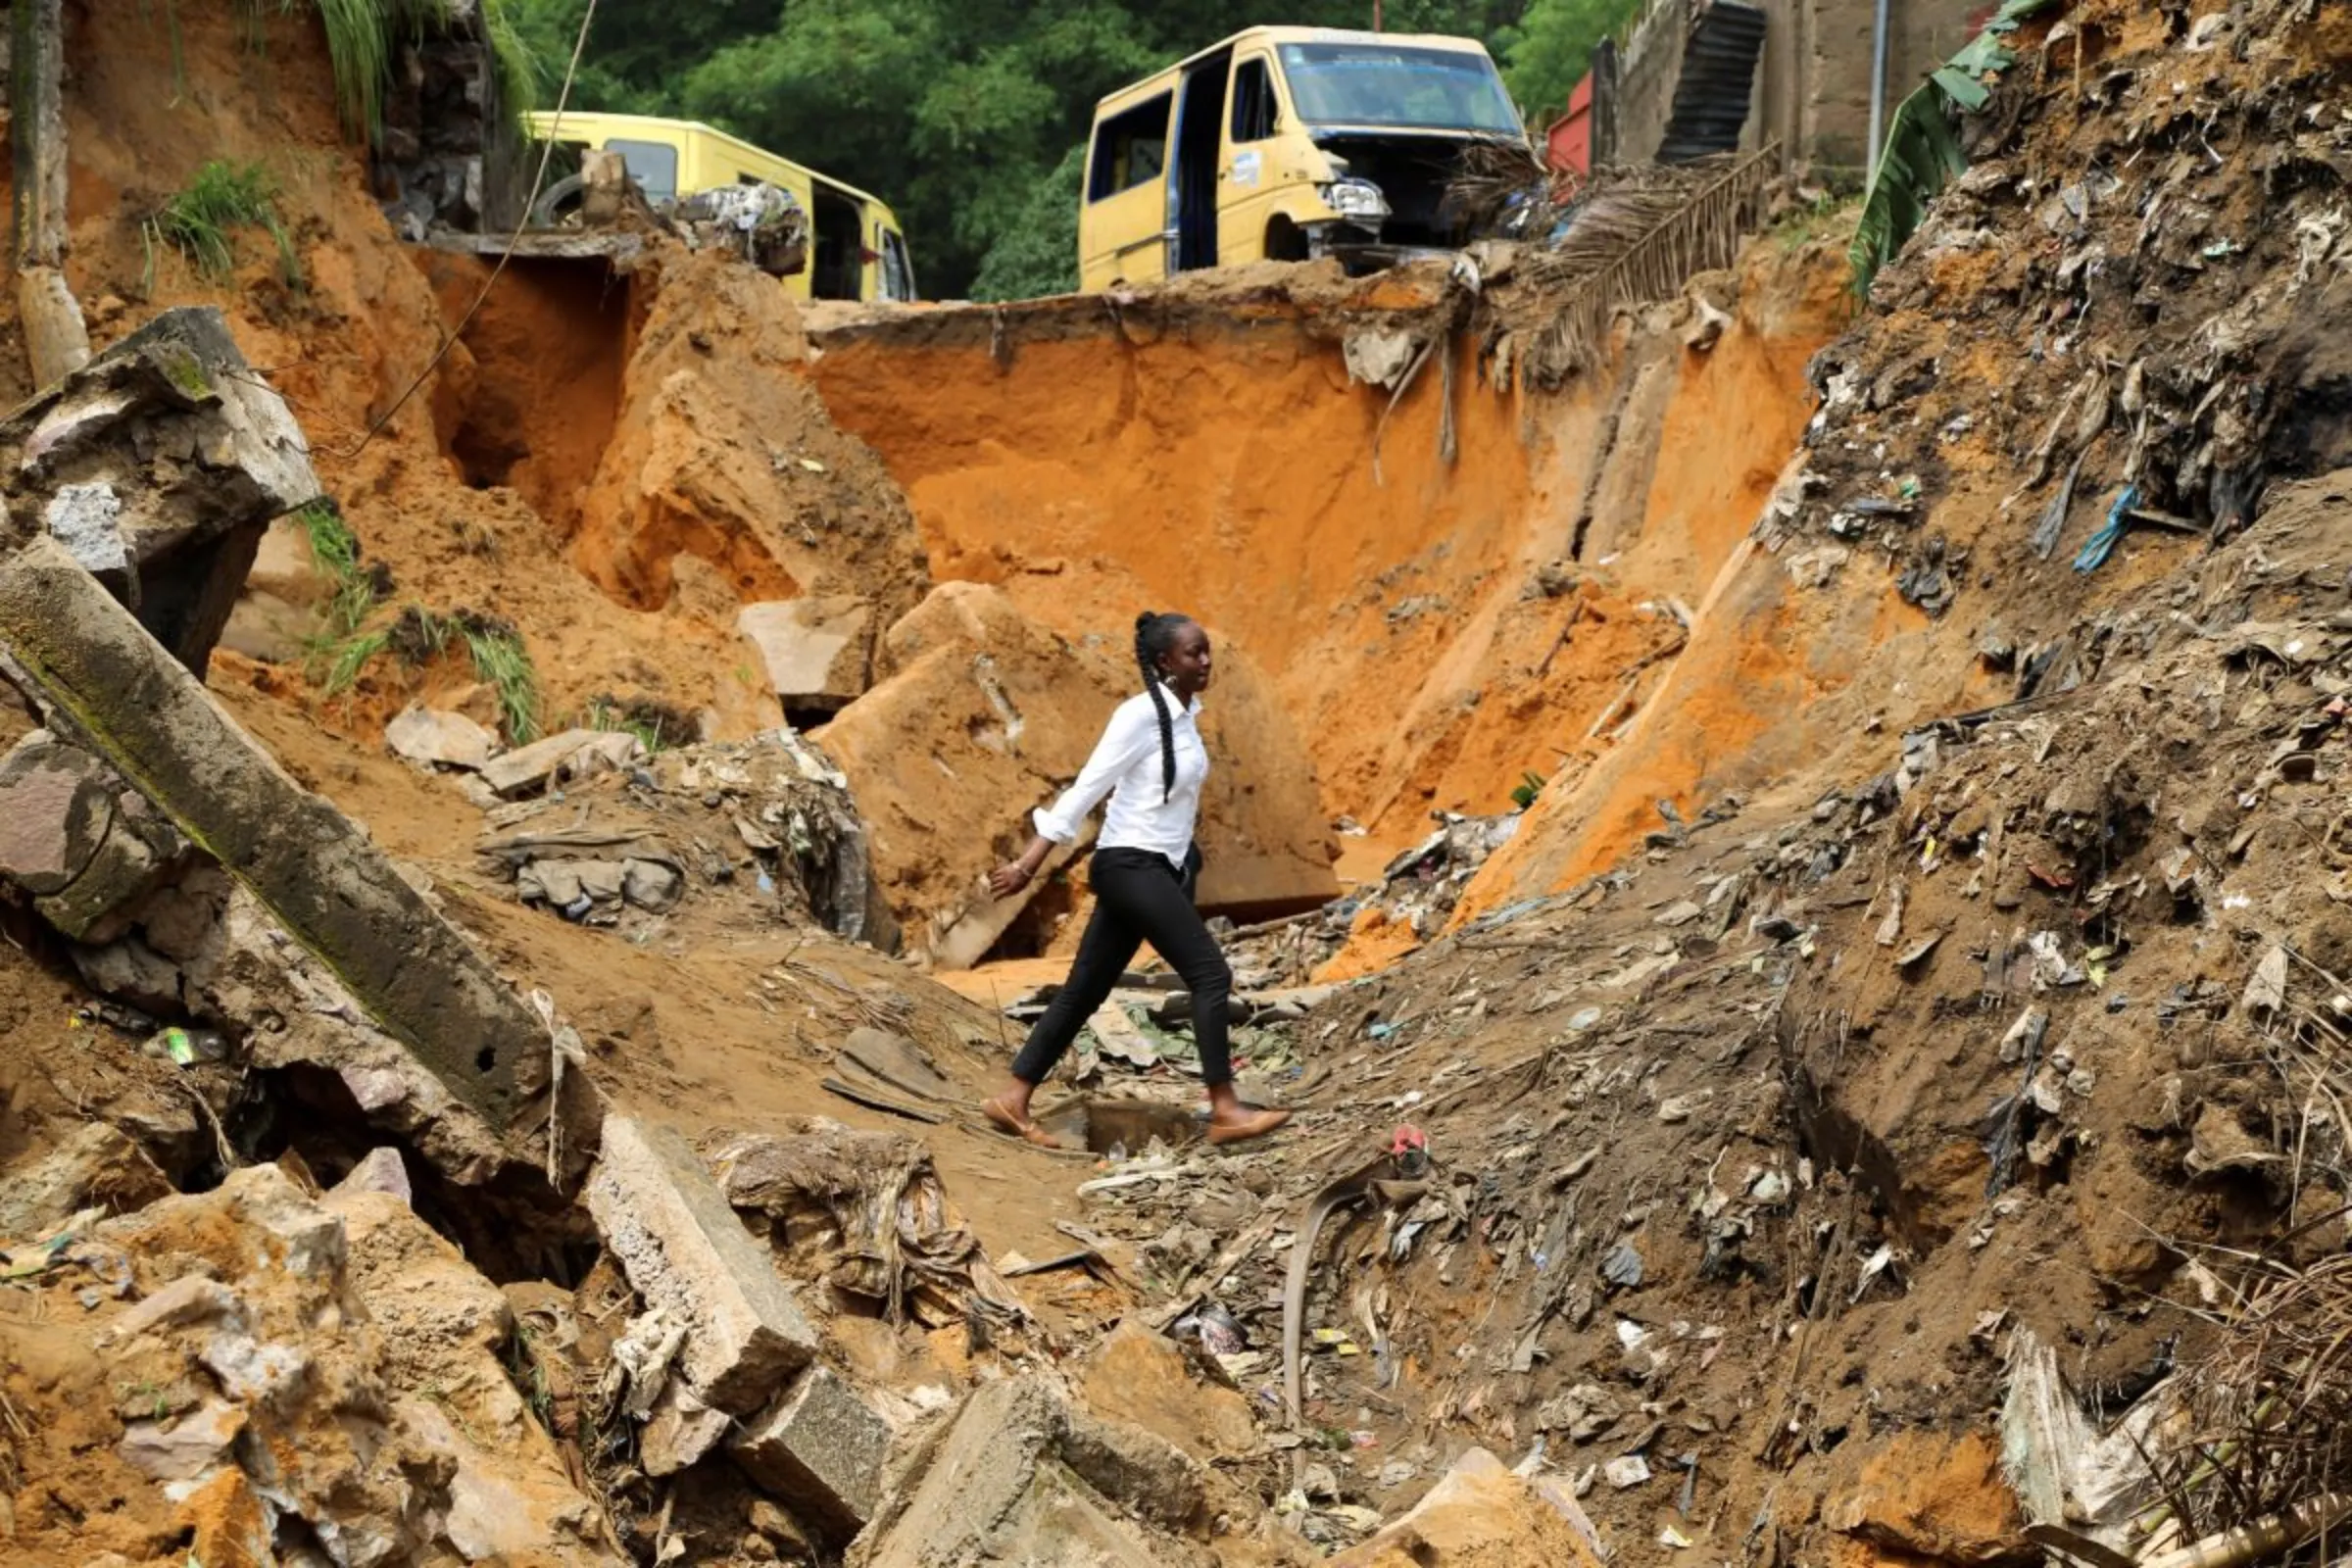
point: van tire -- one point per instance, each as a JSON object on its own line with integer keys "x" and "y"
{"x": 565, "y": 192}
{"x": 1285, "y": 241}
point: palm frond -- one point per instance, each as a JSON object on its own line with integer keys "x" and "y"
{"x": 1636, "y": 236}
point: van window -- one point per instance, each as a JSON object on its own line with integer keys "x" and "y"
{"x": 1377, "y": 84}
{"x": 654, "y": 166}
{"x": 897, "y": 271}
{"x": 1130, "y": 148}
{"x": 1253, "y": 102}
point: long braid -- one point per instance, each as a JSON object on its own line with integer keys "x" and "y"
{"x": 1152, "y": 633}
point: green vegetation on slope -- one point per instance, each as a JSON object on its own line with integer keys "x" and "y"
{"x": 200, "y": 222}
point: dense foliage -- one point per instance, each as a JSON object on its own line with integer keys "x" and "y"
{"x": 963, "y": 113}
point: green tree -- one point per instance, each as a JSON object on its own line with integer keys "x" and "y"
{"x": 1037, "y": 253}
{"x": 1551, "y": 48}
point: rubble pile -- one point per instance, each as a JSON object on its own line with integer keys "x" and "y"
{"x": 615, "y": 837}
{"x": 263, "y": 1373}
{"x": 2111, "y": 321}
{"x": 1412, "y": 901}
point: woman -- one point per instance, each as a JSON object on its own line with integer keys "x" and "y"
{"x": 1150, "y": 762}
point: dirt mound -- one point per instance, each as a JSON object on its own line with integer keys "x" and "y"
{"x": 721, "y": 454}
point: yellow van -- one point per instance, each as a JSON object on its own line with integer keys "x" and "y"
{"x": 856, "y": 250}
{"x": 1283, "y": 144}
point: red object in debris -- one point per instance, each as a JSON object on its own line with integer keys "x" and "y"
{"x": 2057, "y": 880}
{"x": 1568, "y": 144}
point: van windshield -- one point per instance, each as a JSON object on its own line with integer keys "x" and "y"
{"x": 1421, "y": 89}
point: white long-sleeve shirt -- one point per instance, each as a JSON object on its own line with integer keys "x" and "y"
{"x": 1126, "y": 766}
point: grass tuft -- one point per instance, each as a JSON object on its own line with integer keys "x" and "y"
{"x": 500, "y": 658}
{"x": 606, "y": 716}
{"x": 360, "y": 39}
{"x": 201, "y": 220}
{"x": 345, "y": 660}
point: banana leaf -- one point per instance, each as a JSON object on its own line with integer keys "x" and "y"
{"x": 1923, "y": 152}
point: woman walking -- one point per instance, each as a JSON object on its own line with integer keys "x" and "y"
{"x": 1150, "y": 762}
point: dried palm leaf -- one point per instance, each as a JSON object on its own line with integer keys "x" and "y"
{"x": 2271, "y": 1406}
{"x": 1635, "y": 238}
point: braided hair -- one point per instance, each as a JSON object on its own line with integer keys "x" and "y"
{"x": 1154, "y": 636}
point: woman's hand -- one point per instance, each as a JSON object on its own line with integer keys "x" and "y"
{"x": 1014, "y": 875}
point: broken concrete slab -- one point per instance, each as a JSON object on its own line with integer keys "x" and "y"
{"x": 183, "y": 1448}
{"x": 819, "y": 1448}
{"x": 573, "y": 754}
{"x": 140, "y": 849}
{"x": 528, "y": 767}
{"x": 1142, "y": 1469}
{"x": 1006, "y": 1484}
{"x": 816, "y": 653}
{"x": 121, "y": 694}
{"x": 433, "y": 738}
{"x": 679, "y": 1433}
{"x": 171, "y": 539}
{"x": 685, "y": 1252}
{"x": 985, "y": 1466}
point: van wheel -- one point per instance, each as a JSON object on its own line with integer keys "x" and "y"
{"x": 1285, "y": 241}
{"x": 557, "y": 200}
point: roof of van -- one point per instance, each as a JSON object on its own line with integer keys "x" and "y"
{"x": 620, "y": 124}
{"x": 1283, "y": 36}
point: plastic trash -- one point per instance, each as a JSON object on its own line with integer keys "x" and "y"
{"x": 1218, "y": 1332}
{"x": 189, "y": 1048}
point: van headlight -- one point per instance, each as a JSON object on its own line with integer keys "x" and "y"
{"x": 1355, "y": 198}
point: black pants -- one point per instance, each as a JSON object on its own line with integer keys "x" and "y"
{"x": 1139, "y": 897}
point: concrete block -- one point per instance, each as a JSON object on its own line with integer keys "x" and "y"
{"x": 682, "y": 1248}
{"x": 679, "y": 1433}
{"x": 429, "y": 737}
{"x": 816, "y": 653}
{"x": 1137, "y": 1468}
{"x": 996, "y": 1493}
{"x": 530, "y": 767}
{"x": 819, "y": 1448}
{"x": 160, "y": 464}
{"x": 141, "y": 710}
